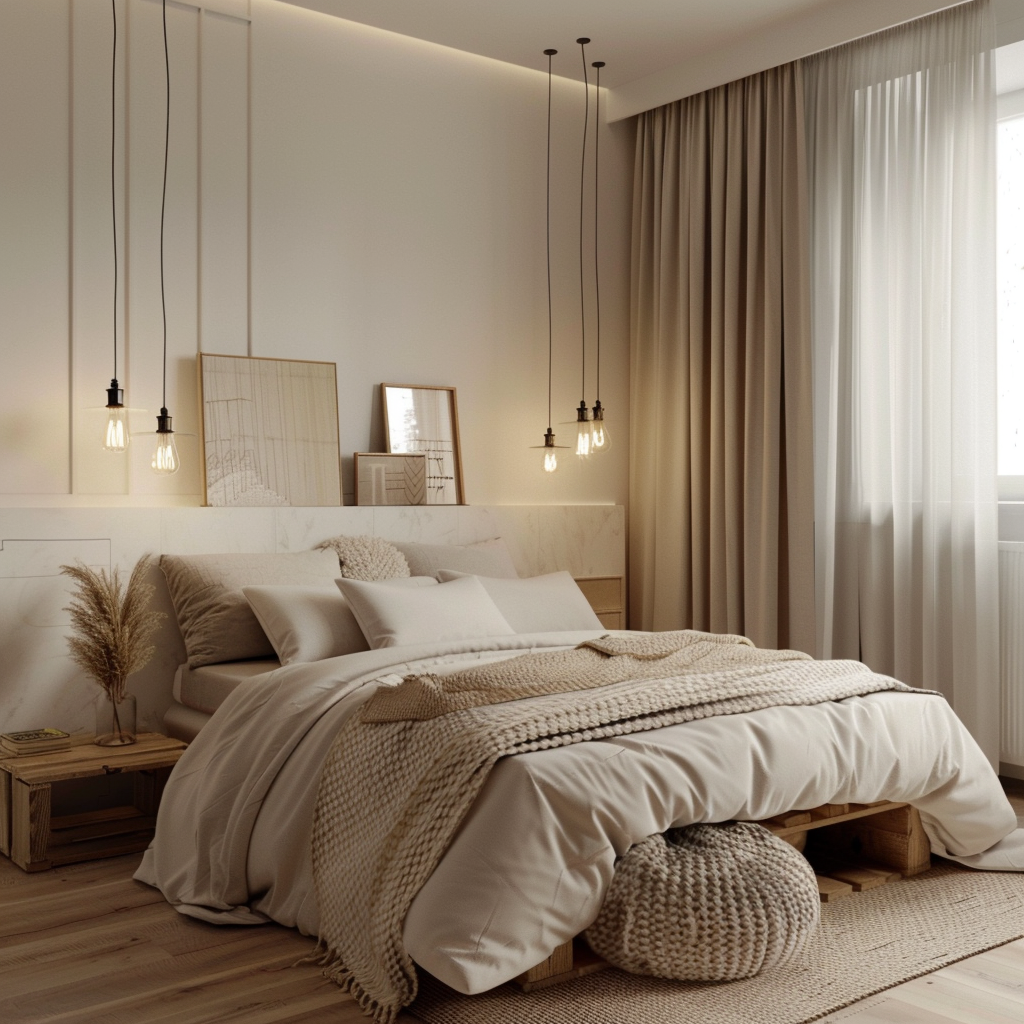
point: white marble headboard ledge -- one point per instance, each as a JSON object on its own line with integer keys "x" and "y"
{"x": 40, "y": 685}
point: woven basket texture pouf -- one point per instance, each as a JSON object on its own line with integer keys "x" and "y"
{"x": 707, "y": 903}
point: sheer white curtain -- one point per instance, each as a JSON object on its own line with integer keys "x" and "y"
{"x": 902, "y": 154}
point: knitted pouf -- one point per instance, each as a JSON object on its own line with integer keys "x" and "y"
{"x": 707, "y": 903}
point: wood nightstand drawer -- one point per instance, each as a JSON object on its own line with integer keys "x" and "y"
{"x": 36, "y": 840}
{"x": 606, "y": 597}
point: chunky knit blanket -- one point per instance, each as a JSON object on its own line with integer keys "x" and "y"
{"x": 593, "y": 663}
{"x": 392, "y": 792}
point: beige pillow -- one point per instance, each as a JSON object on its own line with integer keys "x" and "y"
{"x": 216, "y": 621}
{"x": 538, "y": 604}
{"x": 488, "y": 558}
{"x": 368, "y": 558}
{"x": 393, "y": 616}
{"x": 313, "y": 623}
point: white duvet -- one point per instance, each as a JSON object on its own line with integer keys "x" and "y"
{"x": 528, "y": 868}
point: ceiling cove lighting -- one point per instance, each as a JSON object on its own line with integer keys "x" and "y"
{"x": 116, "y": 435}
{"x": 549, "y": 447}
{"x": 165, "y": 455}
{"x": 599, "y": 439}
{"x": 583, "y": 429}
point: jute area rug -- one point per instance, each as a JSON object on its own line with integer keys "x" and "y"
{"x": 867, "y": 942}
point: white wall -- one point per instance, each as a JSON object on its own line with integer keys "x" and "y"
{"x": 335, "y": 193}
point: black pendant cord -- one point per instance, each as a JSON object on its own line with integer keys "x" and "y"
{"x": 163, "y": 201}
{"x": 549, "y": 54}
{"x": 598, "y": 64}
{"x": 583, "y": 170}
{"x": 113, "y": 169}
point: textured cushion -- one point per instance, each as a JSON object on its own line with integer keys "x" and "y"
{"x": 216, "y": 621}
{"x": 538, "y": 604}
{"x": 392, "y": 616}
{"x": 313, "y": 623}
{"x": 488, "y": 558}
{"x": 707, "y": 903}
{"x": 368, "y": 558}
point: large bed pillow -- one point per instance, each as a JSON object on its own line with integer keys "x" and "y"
{"x": 313, "y": 623}
{"x": 488, "y": 558}
{"x": 393, "y": 616}
{"x": 216, "y": 621}
{"x": 538, "y": 604}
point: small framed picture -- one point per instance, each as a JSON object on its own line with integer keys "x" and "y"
{"x": 390, "y": 479}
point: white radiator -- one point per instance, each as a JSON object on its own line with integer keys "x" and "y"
{"x": 1011, "y": 656}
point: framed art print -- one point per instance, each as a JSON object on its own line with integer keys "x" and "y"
{"x": 425, "y": 419}
{"x": 270, "y": 431}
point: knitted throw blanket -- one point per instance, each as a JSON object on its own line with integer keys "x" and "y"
{"x": 393, "y": 792}
{"x": 591, "y": 664}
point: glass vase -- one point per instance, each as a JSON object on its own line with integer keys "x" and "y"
{"x": 115, "y": 721}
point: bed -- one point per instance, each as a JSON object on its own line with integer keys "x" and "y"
{"x": 526, "y": 868}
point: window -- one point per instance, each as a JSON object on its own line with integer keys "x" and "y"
{"x": 1010, "y": 277}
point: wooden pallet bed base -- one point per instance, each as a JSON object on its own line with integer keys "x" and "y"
{"x": 852, "y": 847}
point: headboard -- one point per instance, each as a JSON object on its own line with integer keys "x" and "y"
{"x": 41, "y": 686}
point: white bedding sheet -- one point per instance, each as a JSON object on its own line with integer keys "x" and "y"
{"x": 206, "y": 688}
{"x": 528, "y": 868}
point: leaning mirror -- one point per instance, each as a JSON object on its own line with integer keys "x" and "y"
{"x": 419, "y": 418}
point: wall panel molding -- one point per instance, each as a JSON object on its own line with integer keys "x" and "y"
{"x": 335, "y": 194}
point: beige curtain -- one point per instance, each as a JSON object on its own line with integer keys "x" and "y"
{"x": 721, "y": 490}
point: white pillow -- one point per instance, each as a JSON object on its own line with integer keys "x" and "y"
{"x": 538, "y": 604}
{"x": 392, "y": 616}
{"x": 487, "y": 558}
{"x": 313, "y": 623}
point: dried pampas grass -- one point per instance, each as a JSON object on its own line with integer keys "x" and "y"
{"x": 112, "y": 626}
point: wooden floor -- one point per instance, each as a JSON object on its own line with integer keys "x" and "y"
{"x": 86, "y": 943}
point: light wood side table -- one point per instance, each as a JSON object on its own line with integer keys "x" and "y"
{"x": 35, "y": 840}
{"x": 607, "y": 597}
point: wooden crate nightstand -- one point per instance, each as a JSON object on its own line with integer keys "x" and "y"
{"x": 35, "y": 840}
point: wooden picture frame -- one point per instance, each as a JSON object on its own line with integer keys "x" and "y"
{"x": 425, "y": 418}
{"x": 390, "y": 478}
{"x": 270, "y": 431}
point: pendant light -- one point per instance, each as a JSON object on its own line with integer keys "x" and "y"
{"x": 549, "y": 447}
{"x": 599, "y": 439}
{"x": 583, "y": 428}
{"x": 165, "y": 455}
{"x": 116, "y": 435}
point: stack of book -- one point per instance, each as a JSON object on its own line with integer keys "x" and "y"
{"x": 34, "y": 741}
